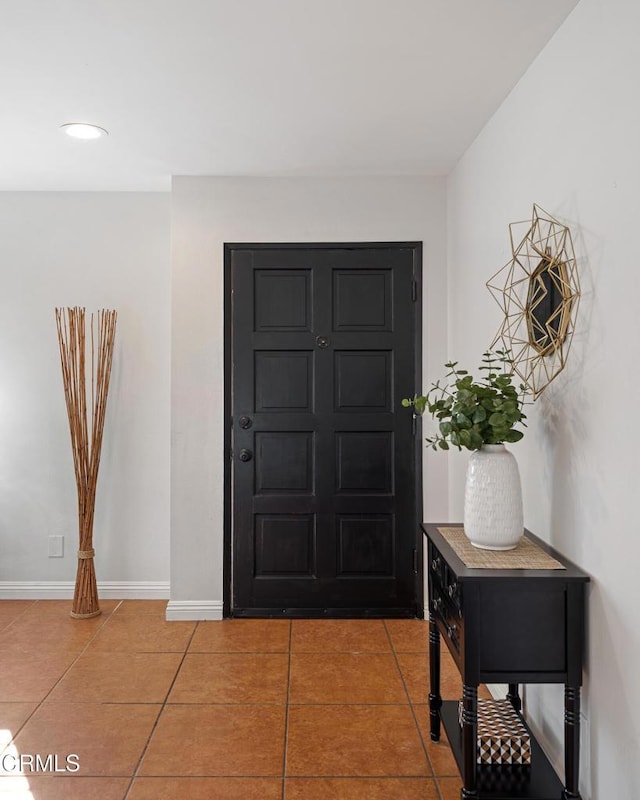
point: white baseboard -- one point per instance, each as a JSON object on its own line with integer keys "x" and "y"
{"x": 63, "y": 590}
{"x": 194, "y": 610}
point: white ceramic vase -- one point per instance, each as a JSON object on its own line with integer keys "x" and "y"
{"x": 493, "y": 517}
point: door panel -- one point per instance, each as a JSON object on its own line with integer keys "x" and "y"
{"x": 323, "y": 471}
{"x": 282, "y": 300}
{"x": 283, "y": 381}
{"x": 364, "y": 462}
{"x": 363, "y": 380}
{"x": 365, "y": 545}
{"x": 284, "y": 462}
{"x": 285, "y": 545}
{"x": 362, "y": 300}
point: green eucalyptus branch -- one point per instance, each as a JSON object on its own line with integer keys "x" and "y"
{"x": 472, "y": 413}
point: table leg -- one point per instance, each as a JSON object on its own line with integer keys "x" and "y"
{"x": 514, "y": 696}
{"x": 469, "y": 789}
{"x": 435, "y": 700}
{"x": 571, "y": 743}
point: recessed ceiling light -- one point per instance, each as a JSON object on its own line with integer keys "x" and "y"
{"x": 83, "y": 130}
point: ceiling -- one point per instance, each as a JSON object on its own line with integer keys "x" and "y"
{"x": 254, "y": 87}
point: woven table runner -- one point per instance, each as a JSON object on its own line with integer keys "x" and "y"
{"x": 526, "y": 555}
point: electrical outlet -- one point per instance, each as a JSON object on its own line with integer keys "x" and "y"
{"x": 56, "y": 546}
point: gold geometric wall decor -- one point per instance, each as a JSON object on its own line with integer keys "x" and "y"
{"x": 538, "y": 291}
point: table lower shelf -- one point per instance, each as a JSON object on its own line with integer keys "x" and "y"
{"x": 505, "y": 782}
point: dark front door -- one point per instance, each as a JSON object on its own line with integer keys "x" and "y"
{"x": 323, "y": 346}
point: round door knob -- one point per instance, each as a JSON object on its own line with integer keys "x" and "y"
{"x": 246, "y": 455}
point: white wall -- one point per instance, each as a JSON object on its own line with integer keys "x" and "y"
{"x": 568, "y": 138}
{"x": 207, "y": 212}
{"x": 99, "y": 251}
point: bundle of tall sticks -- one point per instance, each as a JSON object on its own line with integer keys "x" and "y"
{"x": 86, "y": 433}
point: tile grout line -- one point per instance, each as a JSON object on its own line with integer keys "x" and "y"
{"x": 411, "y": 707}
{"x": 286, "y": 714}
{"x": 163, "y": 705}
{"x": 72, "y": 664}
{"x": 436, "y": 778}
{"x": 21, "y": 614}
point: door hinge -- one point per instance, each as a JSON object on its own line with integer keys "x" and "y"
{"x": 414, "y": 290}
{"x": 415, "y": 560}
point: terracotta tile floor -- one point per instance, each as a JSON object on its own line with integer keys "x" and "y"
{"x": 233, "y": 710}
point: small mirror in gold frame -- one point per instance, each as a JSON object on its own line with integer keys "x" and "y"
{"x": 548, "y": 308}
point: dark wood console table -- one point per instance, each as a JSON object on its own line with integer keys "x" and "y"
{"x": 512, "y": 626}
